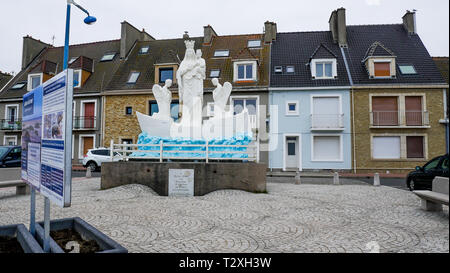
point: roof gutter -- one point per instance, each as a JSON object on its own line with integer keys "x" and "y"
{"x": 308, "y": 88}
{"x": 393, "y": 86}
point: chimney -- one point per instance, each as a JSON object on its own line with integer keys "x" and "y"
{"x": 270, "y": 32}
{"x": 30, "y": 49}
{"x": 129, "y": 35}
{"x": 338, "y": 27}
{"x": 409, "y": 22}
{"x": 208, "y": 33}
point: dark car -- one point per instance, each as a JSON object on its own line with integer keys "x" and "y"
{"x": 422, "y": 177}
{"x": 10, "y": 156}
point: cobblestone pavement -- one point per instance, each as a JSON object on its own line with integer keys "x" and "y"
{"x": 290, "y": 218}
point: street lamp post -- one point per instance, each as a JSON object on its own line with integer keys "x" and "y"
{"x": 88, "y": 20}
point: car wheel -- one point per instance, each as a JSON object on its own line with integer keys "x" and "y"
{"x": 412, "y": 185}
{"x": 92, "y": 166}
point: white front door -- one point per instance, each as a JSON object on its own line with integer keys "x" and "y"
{"x": 292, "y": 155}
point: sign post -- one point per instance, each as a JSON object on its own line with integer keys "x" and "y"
{"x": 47, "y": 145}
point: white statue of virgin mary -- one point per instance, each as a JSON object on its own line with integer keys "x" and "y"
{"x": 190, "y": 76}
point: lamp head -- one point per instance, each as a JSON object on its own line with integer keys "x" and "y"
{"x": 90, "y": 20}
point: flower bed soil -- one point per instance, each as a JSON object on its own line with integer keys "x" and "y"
{"x": 10, "y": 245}
{"x": 64, "y": 236}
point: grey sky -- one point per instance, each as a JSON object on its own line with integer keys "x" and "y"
{"x": 170, "y": 18}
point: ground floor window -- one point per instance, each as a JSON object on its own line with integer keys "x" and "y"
{"x": 387, "y": 147}
{"x": 399, "y": 147}
{"x": 326, "y": 148}
{"x": 10, "y": 140}
{"x": 414, "y": 147}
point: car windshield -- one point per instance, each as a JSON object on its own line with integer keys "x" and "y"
{"x": 3, "y": 151}
{"x": 432, "y": 164}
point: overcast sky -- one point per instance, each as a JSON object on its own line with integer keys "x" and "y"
{"x": 43, "y": 19}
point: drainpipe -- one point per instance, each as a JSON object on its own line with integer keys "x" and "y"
{"x": 353, "y": 134}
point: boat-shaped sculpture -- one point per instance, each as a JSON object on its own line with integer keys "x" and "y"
{"x": 224, "y": 124}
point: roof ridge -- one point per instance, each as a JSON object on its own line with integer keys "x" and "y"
{"x": 365, "y": 25}
{"x": 83, "y": 44}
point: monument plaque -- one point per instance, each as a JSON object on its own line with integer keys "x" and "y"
{"x": 181, "y": 182}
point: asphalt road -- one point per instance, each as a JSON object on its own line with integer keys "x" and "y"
{"x": 7, "y": 174}
{"x": 14, "y": 174}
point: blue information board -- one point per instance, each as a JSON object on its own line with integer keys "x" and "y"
{"x": 47, "y": 138}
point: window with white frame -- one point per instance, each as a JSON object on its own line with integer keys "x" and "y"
{"x": 245, "y": 71}
{"x": 34, "y": 80}
{"x": 291, "y": 108}
{"x": 326, "y": 148}
{"x": 324, "y": 68}
{"x": 76, "y": 78}
{"x": 11, "y": 112}
{"x": 386, "y": 147}
{"x": 290, "y": 69}
{"x": 10, "y": 140}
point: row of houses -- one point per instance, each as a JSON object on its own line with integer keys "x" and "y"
{"x": 359, "y": 98}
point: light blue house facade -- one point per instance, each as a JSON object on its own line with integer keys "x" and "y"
{"x": 309, "y": 94}
{"x": 305, "y": 140}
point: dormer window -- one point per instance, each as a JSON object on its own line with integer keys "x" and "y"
{"x": 245, "y": 71}
{"x": 407, "y": 69}
{"x": 254, "y": 43}
{"x": 380, "y": 61}
{"x": 34, "y": 80}
{"x": 108, "y": 57}
{"x": 324, "y": 68}
{"x": 76, "y": 78}
{"x": 144, "y": 50}
{"x": 381, "y": 68}
{"x": 221, "y": 53}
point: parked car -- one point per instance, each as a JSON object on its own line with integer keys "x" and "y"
{"x": 10, "y": 156}
{"x": 422, "y": 177}
{"x": 95, "y": 157}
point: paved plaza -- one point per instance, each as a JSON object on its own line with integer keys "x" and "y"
{"x": 290, "y": 218}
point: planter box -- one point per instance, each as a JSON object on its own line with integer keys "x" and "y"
{"x": 23, "y": 236}
{"x": 87, "y": 232}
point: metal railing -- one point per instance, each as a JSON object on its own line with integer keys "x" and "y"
{"x": 11, "y": 125}
{"x": 85, "y": 123}
{"x": 327, "y": 121}
{"x": 194, "y": 152}
{"x": 398, "y": 118}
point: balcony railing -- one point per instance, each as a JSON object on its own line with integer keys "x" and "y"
{"x": 85, "y": 123}
{"x": 327, "y": 122}
{"x": 398, "y": 118}
{"x": 11, "y": 125}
